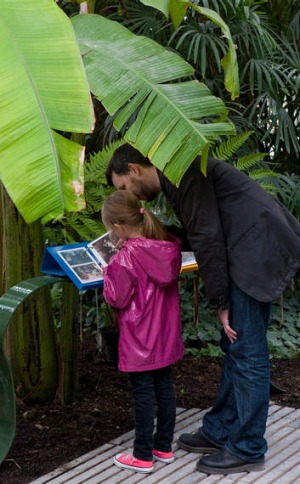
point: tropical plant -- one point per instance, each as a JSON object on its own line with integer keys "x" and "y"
{"x": 146, "y": 83}
{"x": 86, "y": 224}
{"x": 266, "y": 37}
{"x": 44, "y": 92}
{"x": 49, "y": 75}
{"x": 31, "y": 146}
{"x": 288, "y": 189}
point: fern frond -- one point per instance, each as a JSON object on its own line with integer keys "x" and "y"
{"x": 95, "y": 195}
{"x": 226, "y": 149}
{"x": 96, "y": 167}
{"x": 56, "y": 292}
{"x": 81, "y": 226}
{"x": 266, "y": 179}
{"x": 272, "y": 189}
{"x": 262, "y": 173}
{"x": 245, "y": 163}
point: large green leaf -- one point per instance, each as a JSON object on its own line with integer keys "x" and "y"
{"x": 132, "y": 74}
{"x": 177, "y": 9}
{"x": 43, "y": 87}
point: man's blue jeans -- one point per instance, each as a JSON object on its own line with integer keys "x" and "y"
{"x": 238, "y": 419}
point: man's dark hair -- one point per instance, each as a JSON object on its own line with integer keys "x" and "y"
{"x": 124, "y": 155}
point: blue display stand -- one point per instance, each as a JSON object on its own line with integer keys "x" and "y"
{"x": 75, "y": 261}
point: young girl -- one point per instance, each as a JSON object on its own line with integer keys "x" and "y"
{"x": 140, "y": 281}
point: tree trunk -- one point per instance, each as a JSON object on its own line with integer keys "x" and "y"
{"x": 68, "y": 344}
{"x": 30, "y": 338}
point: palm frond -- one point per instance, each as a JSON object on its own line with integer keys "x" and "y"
{"x": 294, "y": 26}
{"x": 200, "y": 45}
{"x": 275, "y": 122}
{"x": 286, "y": 129}
{"x": 142, "y": 20}
{"x": 263, "y": 74}
{"x": 289, "y": 49}
{"x": 288, "y": 191}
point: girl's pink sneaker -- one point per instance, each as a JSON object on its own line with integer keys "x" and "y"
{"x": 166, "y": 457}
{"x": 128, "y": 461}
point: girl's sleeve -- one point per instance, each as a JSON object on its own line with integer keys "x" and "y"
{"x": 118, "y": 285}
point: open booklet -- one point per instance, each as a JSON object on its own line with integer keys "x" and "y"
{"x": 83, "y": 262}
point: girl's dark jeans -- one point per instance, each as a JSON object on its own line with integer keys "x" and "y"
{"x": 149, "y": 387}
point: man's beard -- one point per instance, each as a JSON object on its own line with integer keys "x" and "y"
{"x": 143, "y": 192}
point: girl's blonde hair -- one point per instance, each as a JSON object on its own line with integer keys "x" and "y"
{"x": 124, "y": 208}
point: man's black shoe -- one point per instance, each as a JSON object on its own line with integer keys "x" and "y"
{"x": 196, "y": 443}
{"x": 225, "y": 463}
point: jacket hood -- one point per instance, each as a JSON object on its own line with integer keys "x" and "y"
{"x": 161, "y": 259}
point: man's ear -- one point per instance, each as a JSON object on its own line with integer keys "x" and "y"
{"x": 134, "y": 169}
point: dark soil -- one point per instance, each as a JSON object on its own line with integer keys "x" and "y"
{"x": 50, "y": 435}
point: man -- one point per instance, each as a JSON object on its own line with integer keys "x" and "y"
{"x": 247, "y": 246}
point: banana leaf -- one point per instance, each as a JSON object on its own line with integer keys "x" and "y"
{"x": 176, "y": 9}
{"x": 43, "y": 88}
{"x": 176, "y": 117}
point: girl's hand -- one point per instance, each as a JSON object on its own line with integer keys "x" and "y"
{"x": 223, "y": 315}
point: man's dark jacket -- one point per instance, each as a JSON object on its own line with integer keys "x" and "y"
{"x": 237, "y": 231}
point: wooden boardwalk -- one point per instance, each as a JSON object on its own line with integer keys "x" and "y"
{"x": 282, "y": 461}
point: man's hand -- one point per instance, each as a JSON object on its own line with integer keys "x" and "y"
{"x": 223, "y": 315}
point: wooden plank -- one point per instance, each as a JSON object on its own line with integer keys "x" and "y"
{"x": 190, "y": 424}
{"x": 282, "y": 449}
{"x": 78, "y": 466}
{"x": 169, "y": 473}
{"x": 70, "y": 465}
{"x": 282, "y": 462}
{"x": 192, "y": 417}
{"x": 181, "y": 416}
{"x": 283, "y": 412}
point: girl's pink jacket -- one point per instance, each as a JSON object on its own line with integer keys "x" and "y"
{"x": 141, "y": 282}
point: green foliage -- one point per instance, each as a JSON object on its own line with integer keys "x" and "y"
{"x": 44, "y": 92}
{"x": 267, "y": 37}
{"x": 98, "y": 314}
{"x": 96, "y": 167}
{"x": 288, "y": 190}
{"x": 176, "y": 117}
{"x": 258, "y": 170}
{"x": 163, "y": 210}
{"x": 141, "y": 19}
{"x": 202, "y": 339}
{"x": 87, "y": 224}
{"x": 107, "y": 318}
{"x": 70, "y": 8}
{"x": 229, "y": 147}
{"x": 251, "y": 163}
{"x": 284, "y": 329}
